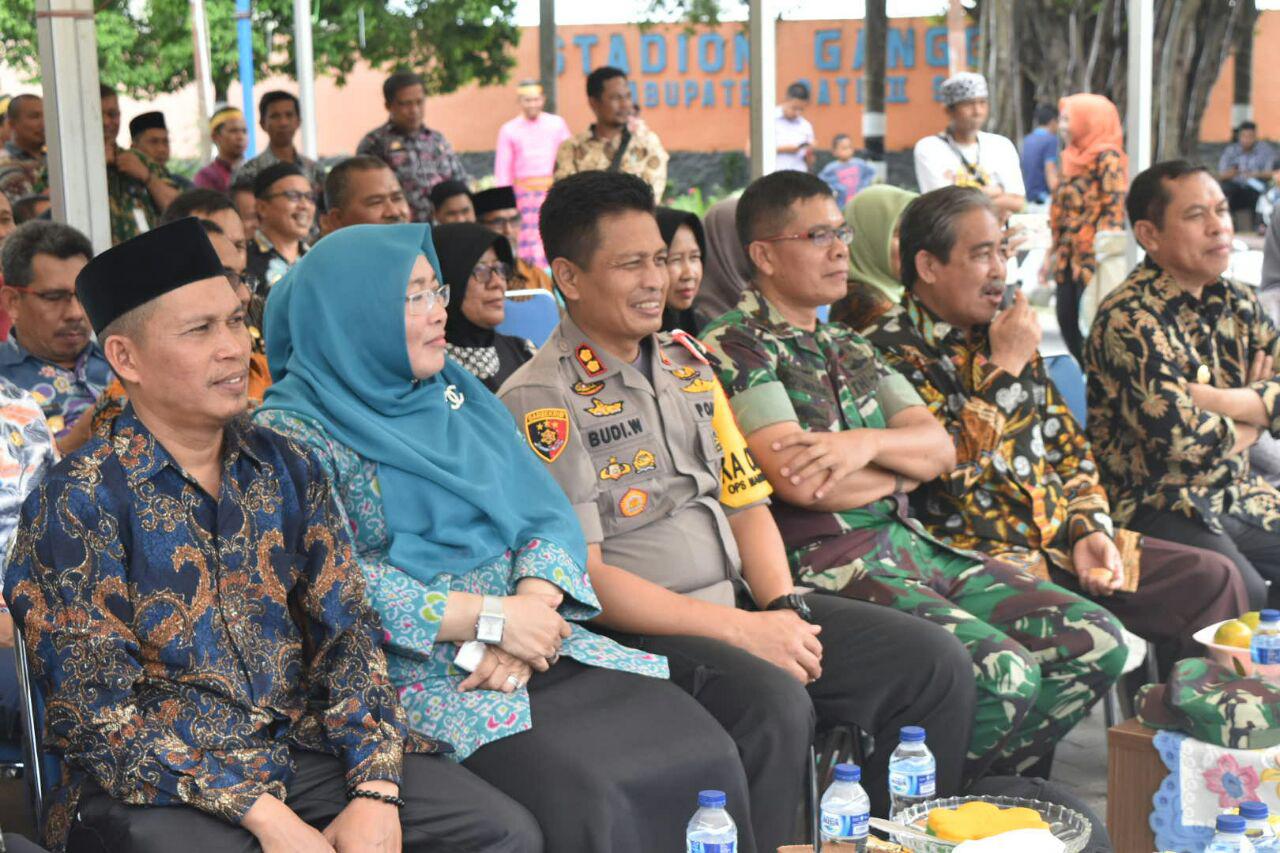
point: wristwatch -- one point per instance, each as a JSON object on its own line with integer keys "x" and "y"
{"x": 792, "y": 601}
{"x": 491, "y": 620}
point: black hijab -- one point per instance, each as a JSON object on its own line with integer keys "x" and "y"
{"x": 459, "y": 246}
{"x": 669, "y": 222}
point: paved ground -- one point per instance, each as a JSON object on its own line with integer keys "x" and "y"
{"x": 1081, "y": 762}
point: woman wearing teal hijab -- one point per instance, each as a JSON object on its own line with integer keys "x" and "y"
{"x": 463, "y": 536}
{"x": 874, "y": 288}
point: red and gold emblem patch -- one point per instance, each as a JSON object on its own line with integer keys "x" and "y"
{"x": 547, "y": 431}
{"x": 587, "y": 358}
{"x": 633, "y": 502}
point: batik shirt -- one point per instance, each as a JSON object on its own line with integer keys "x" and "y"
{"x": 313, "y": 171}
{"x": 1025, "y": 487}
{"x": 1155, "y": 448}
{"x": 267, "y": 266}
{"x": 421, "y": 668}
{"x": 185, "y": 643}
{"x": 64, "y": 395}
{"x": 21, "y": 174}
{"x": 827, "y": 380}
{"x": 420, "y": 160}
{"x": 27, "y": 452}
{"x": 645, "y": 157}
{"x": 1085, "y": 204}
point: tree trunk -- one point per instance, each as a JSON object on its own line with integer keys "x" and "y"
{"x": 1242, "y": 88}
{"x": 997, "y": 47}
{"x": 873, "y": 117}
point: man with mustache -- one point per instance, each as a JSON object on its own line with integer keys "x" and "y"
{"x": 50, "y": 352}
{"x": 1182, "y": 381}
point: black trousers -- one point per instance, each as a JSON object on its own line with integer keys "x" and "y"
{"x": 614, "y": 762}
{"x": 1240, "y": 196}
{"x": 447, "y": 808}
{"x": 1067, "y": 306}
{"x": 1256, "y": 552}
{"x": 881, "y": 670}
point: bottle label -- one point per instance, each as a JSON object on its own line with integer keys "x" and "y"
{"x": 912, "y": 784}
{"x": 842, "y": 827}
{"x": 713, "y": 847}
{"x": 1266, "y": 654}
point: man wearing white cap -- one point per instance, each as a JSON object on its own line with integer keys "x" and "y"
{"x": 965, "y": 155}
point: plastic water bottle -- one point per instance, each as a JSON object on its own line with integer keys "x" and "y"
{"x": 1265, "y": 647}
{"x": 846, "y": 808}
{"x": 1257, "y": 827}
{"x": 913, "y": 773}
{"x": 711, "y": 830}
{"x": 1230, "y": 836}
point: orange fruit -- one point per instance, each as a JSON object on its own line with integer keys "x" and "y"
{"x": 1234, "y": 633}
{"x": 1251, "y": 619}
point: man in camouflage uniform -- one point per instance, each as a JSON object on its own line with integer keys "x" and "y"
{"x": 843, "y": 439}
{"x": 682, "y": 551}
{"x": 22, "y": 158}
{"x": 137, "y": 191}
{"x": 1025, "y": 490}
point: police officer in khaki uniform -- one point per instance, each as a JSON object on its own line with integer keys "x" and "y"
{"x": 683, "y": 552}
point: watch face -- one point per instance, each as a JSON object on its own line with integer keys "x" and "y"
{"x": 489, "y": 629}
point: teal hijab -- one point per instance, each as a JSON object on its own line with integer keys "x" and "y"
{"x": 459, "y": 487}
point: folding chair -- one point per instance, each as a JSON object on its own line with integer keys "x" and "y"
{"x": 531, "y": 314}
{"x": 40, "y": 766}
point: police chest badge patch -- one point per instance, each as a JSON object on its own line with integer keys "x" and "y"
{"x": 547, "y": 431}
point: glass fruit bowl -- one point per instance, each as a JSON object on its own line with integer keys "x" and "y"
{"x": 1067, "y": 825}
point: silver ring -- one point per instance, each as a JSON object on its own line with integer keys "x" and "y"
{"x": 513, "y": 681}
{"x": 551, "y": 661}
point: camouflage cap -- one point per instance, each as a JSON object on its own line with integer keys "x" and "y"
{"x": 1214, "y": 704}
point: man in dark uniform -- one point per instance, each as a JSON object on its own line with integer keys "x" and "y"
{"x": 682, "y": 549}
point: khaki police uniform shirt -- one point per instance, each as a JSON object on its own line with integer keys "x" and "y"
{"x": 642, "y": 463}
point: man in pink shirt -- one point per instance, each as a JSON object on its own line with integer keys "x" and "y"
{"x": 526, "y": 159}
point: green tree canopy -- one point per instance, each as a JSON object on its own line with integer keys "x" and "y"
{"x": 146, "y": 48}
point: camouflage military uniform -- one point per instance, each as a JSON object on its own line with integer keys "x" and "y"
{"x": 1041, "y": 654}
{"x": 133, "y": 211}
{"x": 21, "y": 174}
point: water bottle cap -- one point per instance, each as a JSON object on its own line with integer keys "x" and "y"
{"x": 1232, "y": 823}
{"x": 912, "y": 734}
{"x": 1254, "y": 810}
{"x": 848, "y": 773}
{"x": 716, "y": 800}
{"x": 1269, "y": 616}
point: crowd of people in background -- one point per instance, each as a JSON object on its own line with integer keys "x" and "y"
{"x": 331, "y": 562}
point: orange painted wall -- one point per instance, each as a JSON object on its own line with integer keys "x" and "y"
{"x": 1266, "y": 96}
{"x": 705, "y": 73}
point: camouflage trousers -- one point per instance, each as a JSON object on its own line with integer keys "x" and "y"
{"x": 1041, "y": 655}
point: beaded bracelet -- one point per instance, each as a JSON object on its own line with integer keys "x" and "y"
{"x": 390, "y": 799}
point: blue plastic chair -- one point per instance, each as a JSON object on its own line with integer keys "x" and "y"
{"x": 824, "y": 313}
{"x": 1069, "y": 380}
{"x": 531, "y": 314}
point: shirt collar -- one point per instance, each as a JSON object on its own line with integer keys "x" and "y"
{"x": 142, "y": 457}
{"x": 1162, "y": 285}
{"x": 12, "y": 352}
{"x": 934, "y": 330}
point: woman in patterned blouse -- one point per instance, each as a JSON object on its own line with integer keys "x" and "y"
{"x": 1095, "y": 176}
{"x": 454, "y": 519}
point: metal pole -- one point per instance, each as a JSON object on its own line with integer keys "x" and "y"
{"x": 764, "y": 86}
{"x": 547, "y": 52}
{"x": 957, "y": 47}
{"x": 204, "y": 75}
{"x": 1139, "y": 96}
{"x": 73, "y": 117}
{"x": 876, "y": 27}
{"x": 244, "y": 40}
{"x": 306, "y": 74}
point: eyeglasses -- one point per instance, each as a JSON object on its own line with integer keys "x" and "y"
{"x": 294, "y": 196}
{"x": 820, "y": 236}
{"x": 51, "y": 297}
{"x": 484, "y": 273}
{"x": 503, "y": 221}
{"x": 423, "y": 301}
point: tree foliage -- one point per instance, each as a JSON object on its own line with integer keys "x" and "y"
{"x": 146, "y": 48}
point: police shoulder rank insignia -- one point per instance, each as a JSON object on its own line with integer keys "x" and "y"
{"x": 692, "y": 344}
{"x": 603, "y": 410}
{"x": 644, "y": 461}
{"x": 587, "y": 358}
{"x": 633, "y": 502}
{"x": 547, "y": 431}
{"x": 698, "y": 386}
{"x": 587, "y": 389}
{"x": 615, "y": 470}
